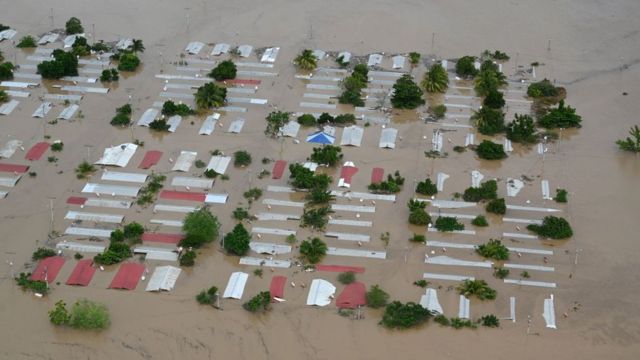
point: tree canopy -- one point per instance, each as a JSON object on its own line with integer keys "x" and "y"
{"x": 404, "y": 316}
{"x": 486, "y": 191}
{"x": 494, "y": 99}
{"x": 128, "y": 62}
{"x": 522, "y": 129}
{"x": 489, "y": 121}
{"x": 237, "y": 241}
{"x": 210, "y": 95}
{"x": 561, "y": 117}
{"x": 436, "y": 80}
{"x": 352, "y": 86}
{"x": 543, "y": 88}
{"x": 27, "y": 42}
{"x": 73, "y": 26}
{"x": 497, "y": 206}
{"x": 489, "y": 150}
{"x": 465, "y": 67}
{"x": 407, "y": 94}
{"x": 326, "y": 155}
{"x": 493, "y": 250}
{"x": 376, "y": 297}
{"x": 200, "y": 227}
{"x": 224, "y": 71}
{"x": 6, "y": 71}
{"x": 552, "y": 227}
{"x": 64, "y": 64}
{"x": 306, "y": 60}
{"x": 313, "y": 250}
{"x": 426, "y": 187}
{"x": 477, "y": 288}
{"x": 631, "y": 143}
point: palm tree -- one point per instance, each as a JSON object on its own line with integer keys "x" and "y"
{"x": 436, "y": 79}
{"x": 488, "y": 81}
{"x": 313, "y": 250}
{"x": 210, "y": 95}
{"x": 630, "y": 143}
{"x": 306, "y": 60}
{"x": 137, "y": 46}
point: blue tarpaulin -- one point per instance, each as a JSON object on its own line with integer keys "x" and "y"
{"x": 321, "y": 138}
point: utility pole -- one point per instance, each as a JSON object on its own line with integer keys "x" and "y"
{"x": 93, "y": 32}
{"x": 51, "y": 17}
{"x": 433, "y": 41}
{"x": 51, "y": 211}
{"x": 549, "y": 45}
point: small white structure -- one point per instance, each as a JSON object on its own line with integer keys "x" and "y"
{"x": 476, "y": 178}
{"x": 194, "y": 47}
{"x": 147, "y": 117}
{"x": 388, "y": 138}
{"x": 209, "y": 124}
{"x": 68, "y": 112}
{"x": 163, "y": 278}
{"x": 270, "y": 55}
{"x": 7, "y": 34}
{"x": 549, "y": 313}
{"x": 216, "y": 198}
{"x": 514, "y": 186}
{"x": 320, "y": 293}
{"x": 235, "y": 286}
{"x": 9, "y": 181}
{"x": 398, "y": 61}
{"x": 374, "y": 60}
{"x": 219, "y": 164}
{"x": 546, "y": 195}
{"x": 319, "y": 54}
{"x": 441, "y": 178}
{"x": 352, "y": 136}
{"x": 470, "y": 139}
{"x": 124, "y": 44}
{"x": 236, "y": 126}
{"x": 430, "y": 301}
{"x": 345, "y": 56}
{"x": 48, "y": 38}
{"x": 290, "y": 129}
{"x": 118, "y": 155}
{"x": 220, "y": 49}
{"x": 174, "y": 122}
{"x": 185, "y": 161}
{"x": 463, "y": 308}
{"x": 245, "y": 50}
{"x": 7, "y": 108}
{"x": 114, "y": 190}
{"x": 42, "y": 110}
{"x": 507, "y": 145}
{"x": 71, "y": 39}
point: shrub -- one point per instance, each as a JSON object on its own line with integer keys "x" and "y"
{"x": 404, "y": 316}
{"x": 260, "y": 302}
{"x": 306, "y": 60}
{"x": 494, "y": 100}
{"x": 325, "y": 118}
{"x": 42, "y": 253}
{"x": 489, "y": 121}
{"x": 521, "y": 129}
{"x": 490, "y": 321}
{"x": 421, "y": 283}
{"x": 275, "y": 121}
{"x": 543, "y": 88}
{"x": 352, "y": 86}
{"x": 27, "y": 42}
{"x": 78, "y": 256}
{"x": 207, "y": 297}
{"x": 486, "y": 191}
{"x": 73, "y": 26}
{"x": 313, "y": 250}
{"x": 59, "y": 314}
{"x": 392, "y": 185}
{"x": 414, "y": 58}
{"x": 493, "y": 250}
{"x": 436, "y": 80}
{"x": 458, "y": 323}
{"x": 210, "y": 95}
{"x": 344, "y": 119}
{"x": 561, "y": 117}
{"x": 501, "y": 273}
{"x": 210, "y": 174}
{"x": 240, "y": 214}
{"x": 525, "y": 275}
{"x": 200, "y": 227}
{"x": 241, "y": 158}
{"x": 497, "y": 206}
{"x": 188, "y": 258}
{"x": 407, "y": 94}
{"x": 418, "y": 238}
{"x": 465, "y": 67}
{"x": 64, "y": 64}
{"x": 86, "y": 314}
{"x": 442, "y": 320}
{"x": 258, "y": 272}
{"x": 115, "y": 253}
{"x": 316, "y": 218}
{"x": 326, "y": 155}
{"x": 4, "y": 97}
{"x": 376, "y": 297}
{"x": 128, "y": 62}
{"x": 6, "y": 73}
{"x": 36, "y": 286}
{"x": 169, "y": 108}
{"x": 438, "y": 111}
{"x": 419, "y": 217}
{"x": 480, "y": 220}
{"x": 561, "y": 196}
{"x": 446, "y": 223}
{"x": 304, "y": 178}
{"x": 347, "y": 278}
{"x": 477, "y": 288}
{"x": 489, "y": 150}
{"x": 84, "y": 169}
{"x": 159, "y": 125}
{"x": 237, "y": 241}
{"x": 630, "y": 143}
{"x": 291, "y": 239}
{"x": 224, "y": 71}
{"x": 307, "y": 120}
{"x": 57, "y": 146}
{"x": 426, "y": 187}
{"x": 552, "y": 227}
{"x": 252, "y": 194}
{"x": 148, "y": 192}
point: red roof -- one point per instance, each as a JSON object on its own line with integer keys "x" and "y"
{"x": 278, "y": 169}
{"x": 76, "y": 200}
{"x": 127, "y": 277}
{"x": 276, "y": 289}
{"x": 352, "y": 296}
{"x": 150, "y": 158}
{"x": 377, "y": 175}
{"x": 243, "y": 82}
{"x": 340, "y": 268}
{"x": 183, "y": 195}
{"x": 162, "y": 238}
{"x": 347, "y": 172}
{"x": 48, "y": 268}
{"x": 36, "y": 152}
{"x": 82, "y": 273}
{"x": 14, "y": 168}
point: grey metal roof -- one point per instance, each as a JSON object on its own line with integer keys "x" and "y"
{"x": 247, "y": 260}
{"x": 236, "y": 126}
{"x": 290, "y": 129}
{"x": 7, "y": 108}
{"x": 270, "y": 55}
{"x": 272, "y": 231}
{"x": 235, "y": 286}
{"x": 220, "y": 49}
{"x": 79, "y": 247}
{"x": 118, "y": 155}
{"x": 219, "y": 164}
{"x": 388, "y": 138}
{"x": 163, "y": 278}
{"x": 147, "y": 117}
{"x": 209, "y": 124}
{"x": 352, "y": 135}
{"x": 187, "y": 181}
{"x": 113, "y": 190}
{"x": 90, "y": 232}
{"x": 398, "y": 61}
{"x": 68, "y": 112}
{"x": 184, "y": 161}
{"x": 269, "y": 248}
{"x": 174, "y": 122}
{"x": 47, "y": 38}
{"x": 10, "y": 148}
{"x": 357, "y": 253}
{"x": 9, "y": 181}
{"x": 245, "y": 50}
{"x": 124, "y": 176}
{"x": 85, "y": 89}
{"x": 216, "y": 198}
{"x": 374, "y": 59}
{"x": 94, "y": 217}
{"x": 42, "y": 110}
{"x": 194, "y": 47}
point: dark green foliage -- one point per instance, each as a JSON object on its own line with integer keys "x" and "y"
{"x": 442, "y": 320}
{"x": 325, "y": 118}
{"x": 318, "y": 196}
{"x": 36, "y": 286}
{"x": 210, "y": 174}
{"x": 414, "y": 205}
{"x": 109, "y": 75}
{"x": 307, "y": 120}
{"x": 121, "y": 120}
{"x": 210, "y": 95}
{"x": 465, "y": 67}
{"x": 489, "y": 79}
{"x": 304, "y": 178}
{"x": 480, "y": 220}
{"x": 131, "y": 233}
{"x": 522, "y": 129}
{"x": 407, "y": 94}
{"x": 188, "y": 258}
{"x": 489, "y": 150}
{"x": 631, "y": 143}
{"x": 100, "y": 46}
{"x": 73, "y": 26}
{"x": 414, "y": 58}
{"x": 419, "y": 217}
{"x": 392, "y": 185}
{"x": 436, "y": 80}
{"x": 561, "y": 196}
{"x": 59, "y": 314}
{"x": 252, "y": 194}
{"x": 353, "y": 85}
{"x": 344, "y": 119}
{"x": 78, "y": 256}
{"x": 89, "y": 315}
{"x": 340, "y": 60}
{"x": 224, "y": 71}
{"x": 241, "y": 158}
{"x": 426, "y": 187}
{"x": 486, "y": 191}
{"x": 543, "y": 88}
{"x": 561, "y": 117}
{"x": 525, "y": 275}
{"x": 489, "y": 121}
{"x": 438, "y": 111}
{"x": 260, "y": 302}
{"x": 237, "y": 241}
{"x": 27, "y": 42}
{"x": 493, "y": 250}
{"x": 496, "y": 55}
{"x": 137, "y": 46}
{"x": 458, "y": 323}
{"x": 351, "y": 97}
{"x": 347, "y": 278}
{"x": 200, "y": 164}
{"x": 169, "y": 108}
{"x": 80, "y": 47}
{"x": 42, "y": 253}
{"x": 128, "y": 62}
{"x": 494, "y": 100}
{"x": 376, "y": 297}
{"x": 275, "y": 121}
{"x": 418, "y": 238}
{"x": 84, "y": 169}
{"x": 477, "y": 288}
{"x": 552, "y": 227}
{"x": 501, "y": 272}
{"x": 258, "y": 272}
{"x": 326, "y": 155}
{"x": 404, "y": 316}
{"x": 240, "y": 214}
{"x": 159, "y": 125}
{"x": 446, "y": 223}
{"x": 490, "y": 321}
{"x": 3, "y": 28}
{"x": 200, "y": 227}
{"x": 64, "y": 64}
{"x": 6, "y": 71}
{"x": 497, "y": 206}
{"x": 313, "y": 250}
{"x": 148, "y": 192}
{"x": 4, "y": 97}
{"x": 306, "y": 60}
{"x": 421, "y": 283}
{"x": 316, "y": 218}
{"x": 207, "y": 297}
{"x": 115, "y": 253}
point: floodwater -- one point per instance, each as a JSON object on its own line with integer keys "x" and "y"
{"x": 583, "y": 46}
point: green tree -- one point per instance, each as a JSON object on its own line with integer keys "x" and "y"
{"x": 480, "y": 220}
{"x": 489, "y": 121}
{"x": 241, "y": 158}
{"x": 237, "y": 241}
{"x": 552, "y": 227}
{"x": 522, "y": 129}
{"x": 306, "y": 60}
{"x": 59, "y": 314}
{"x": 6, "y": 71}
{"x": 419, "y": 217}
{"x": 240, "y": 214}
{"x": 275, "y": 121}
{"x": 426, "y": 187}
{"x": 307, "y": 120}
{"x": 207, "y": 297}
{"x": 74, "y": 26}
{"x": 488, "y": 81}
{"x": 561, "y": 117}
{"x": 404, "y": 316}
{"x": 631, "y": 143}
{"x": 436, "y": 80}
{"x": 200, "y": 227}
{"x": 188, "y": 258}
{"x": 313, "y": 250}
{"x": 315, "y": 218}
{"x": 490, "y": 321}
{"x": 210, "y": 95}
{"x": 64, "y": 64}
{"x": 494, "y": 100}
{"x": 414, "y": 58}
{"x": 447, "y": 223}
{"x": 86, "y": 314}
{"x": 477, "y": 288}
{"x": 493, "y": 250}
{"x": 543, "y": 88}
{"x": 326, "y": 155}
{"x": 260, "y": 302}
{"x": 465, "y": 67}
{"x": 317, "y": 196}
{"x": 347, "y": 278}
{"x": 224, "y": 71}
{"x": 42, "y": 253}
{"x": 116, "y": 252}
{"x": 128, "y": 62}
{"x": 325, "y": 118}
{"x": 497, "y": 206}
{"x": 169, "y": 108}
{"x": 159, "y": 125}
{"x": 407, "y": 94}
{"x": 376, "y": 297}
{"x": 561, "y": 196}
{"x": 489, "y": 150}
{"x": 27, "y": 42}
{"x": 4, "y": 97}
{"x": 137, "y": 46}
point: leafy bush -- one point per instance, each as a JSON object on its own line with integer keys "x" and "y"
{"x": 414, "y": 58}
{"x": 313, "y": 250}
{"x": 477, "y": 288}
{"x": 6, "y": 71}
{"x": 128, "y": 62}
{"x": 458, "y": 323}
{"x": 200, "y": 227}
{"x": 392, "y": 185}
{"x": 207, "y": 297}
{"x": 630, "y": 143}
{"x": 319, "y": 197}
{"x": 486, "y": 191}
{"x": 59, "y": 314}
{"x": 494, "y": 100}
{"x": 57, "y": 146}
{"x": 86, "y": 314}
{"x": 436, "y": 80}
{"x": 344, "y": 119}
{"x": 326, "y": 155}
{"x": 426, "y": 187}
{"x": 419, "y": 217}
{"x": 489, "y": 121}
{"x": 490, "y": 321}
{"x": 275, "y": 121}
{"x": 442, "y": 320}
{"x": 561, "y": 196}
{"x": 438, "y": 111}
{"x": 489, "y": 150}
{"x": 210, "y": 95}
{"x": 260, "y": 302}
{"x": 4, "y": 97}
{"x": 188, "y": 258}
{"x": 446, "y": 223}
{"x": 115, "y": 253}
{"x": 169, "y": 108}
{"x": 237, "y": 241}
{"x": 501, "y": 273}
{"x": 493, "y": 250}
{"x": 307, "y": 120}
{"x": 404, "y": 316}
{"x": 525, "y": 275}
{"x": 418, "y": 238}
{"x": 84, "y": 169}
{"x": 304, "y": 178}
{"x": 543, "y": 88}
{"x": 521, "y": 129}
{"x": 376, "y": 297}
{"x": 64, "y": 64}
{"x": 36, "y": 286}
{"x": 27, "y": 42}
{"x": 497, "y": 206}
{"x": 210, "y": 174}
{"x": 347, "y": 278}
{"x": 316, "y": 218}
{"x": 552, "y": 227}
{"x": 123, "y": 116}
{"x": 147, "y": 193}
{"x": 240, "y": 214}
{"x": 224, "y": 71}
{"x": 480, "y": 220}
{"x": 258, "y": 272}
{"x": 306, "y": 60}
{"x": 465, "y": 67}
{"x": 241, "y": 158}
{"x": 73, "y": 26}
{"x": 421, "y": 283}
{"x": 42, "y": 253}
{"x": 159, "y": 125}
{"x": 253, "y": 194}
{"x": 407, "y": 94}
{"x": 561, "y": 117}
{"x": 352, "y": 86}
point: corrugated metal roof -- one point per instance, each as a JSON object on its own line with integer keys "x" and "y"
{"x": 374, "y": 59}
{"x": 124, "y": 44}
{"x": 62, "y": 97}
{"x": 174, "y": 208}
{"x": 19, "y": 75}
{"x": 85, "y": 89}
{"x": 353, "y": 208}
{"x": 216, "y": 198}
{"x": 147, "y": 117}
{"x": 78, "y": 231}
{"x": 68, "y": 112}
{"x": 188, "y": 181}
{"x": 388, "y": 138}
{"x": 48, "y": 38}
{"x": 82, "y": 273}
{"x": 3, "y": 194}
{"x": 530, "y": 283}
{"x": 113, "y": 190}
{"x": 7, "y": 34}
{"x": 48, "y": 269}
{"x": 70, "y": 39}
{"x": 549, "y": 313}
{"x": 219, "y": 164}
{"x": 194, "y": 47}
{"x": 276, "y": 202}
{"x": 272, "y": 231}
{"x": 235, "y": 286}
{"x": 344, "y": 222}
{"x": 151, "y": 157}
{"x": 269, "y": 216}
{"x": 320, "y": 293}
{"x": 236, "y": 126}
{"x": 174, "y": 122}
{"x": 163, "y": 278}
{"x": 270, "y": 55}
{"x": 184, "y": 161}
{"x": 364, "y": 196}
{"x": 352, "y": 135}
{"x": 209, "y": 124}
{"x": 183, "y": 195}
{"x": 430, "y": 301}
{"x": 17, "y": 93}
{"x": 347, "y": 236}
{"x": 128, "y": 276}
{"x": 10, "y": 148}
{"x": 319, "y": 54}
{"x": 95, "y": 217}
{"x": 269, "y": 248}
{"x": 220, "y": 49}
{"x": 463, "y": 308}
{"x": 398, "y": 61}
{"x": 357, "y": 253}
{"x": 79, "y": 247}
{"x": 9, "y": 181}
{"x": 42, "y": 110}
{"x": 164, "y": 222}
{"x": 124, "y": 176}
{"x": 245, "y": 50}
{"x": 447, "y": 277}
{"x": 253, "y": 261}
{"x": 447, "y": 260}
{"x": 157, "y": 253}
{"x": 290, "y": 129}
{"x": 280, "y": 189}
{"x": 118, "y": 155}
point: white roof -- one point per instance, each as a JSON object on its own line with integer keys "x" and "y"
{"x": 79, "y": 247}
{"x": 69, "y": 40}
{"x": 320, "y": 293}
{"x": 194, "y": 47}
{"x": 209, "y": 124}
{"x": 220, "y": 49}
{"x": 369, "y": 254}
{"x": 114, "y": 190}
{"x": 174, "y": 208}
{"x": 195, "y": 182}
{"x": 398, "y": 61}
{"x": 157, "y": 253}
{"x": 42, "y": 110}
{"x": 364, "y": 196}
{"x": 310, "y": 165}
{"x": 476, "y": 178}
{"x": 90, "y": 232}
{"x": 347, "y": 236}
{"x": 245, "y": 50}
{"x": 319, "y": 54}
{"x": 549, "y": 313}
{"x": 329, "y": 130}
{"x": 290, "y": 129}
{"x": 270, "y": 55}
{"x": 236, "y": 126}
{"x": 235, "y": 286}
{"x": 118, "y": 155}
{"x": 9, "y": 181}
{"x": 219, "y": 164}
{"x": 163, "y": 278}
{"x": 530, "y": 283}
{"x": 353, "y": 208}
{"x": 446, "y": 260}
{"x": 18, "y": 84}
{"x": 7, "y": 108}
{"x": 276, "y": 202}
{"x": 248, "y": 260}
{"x": 10, "y": 148}
{"x": 114, "y": 204}
{"x": 430, "y": 301}
{"x": 270, "y": 216}
{"x": 3, "y": 194}
{"x": 7, "y": 34}
{"x": 68, "y": 112}
{"x": 346, "y": 56}
{"x": 374, "y": 59}
{"x": 124, "y": 176}
{"x": 440, "y": 179}
{"x": 346, "y": 222}
{"x": 124, "y": 44}
{"x": 272, "y": 231}
{"x": 85, "y": 89}
{"x": 352, "y": 135}
{"x": 436, "y": 276}
{"x": 269, "y": 248}
{"x": 184, "y": 161}
{"x": 281, "y": 189}
{"x": 94, "y": 217}
{"x": 147, "y": 117}
{"x": 388, "y": 138}
{"x": 174, "y": 122}
{"x": 216, "y": 198}
{"x": 17, "y": 93}
{"x": 174, "y": 223}
{"x": 47, "y": 38}
{"x": 463, "y": 308}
